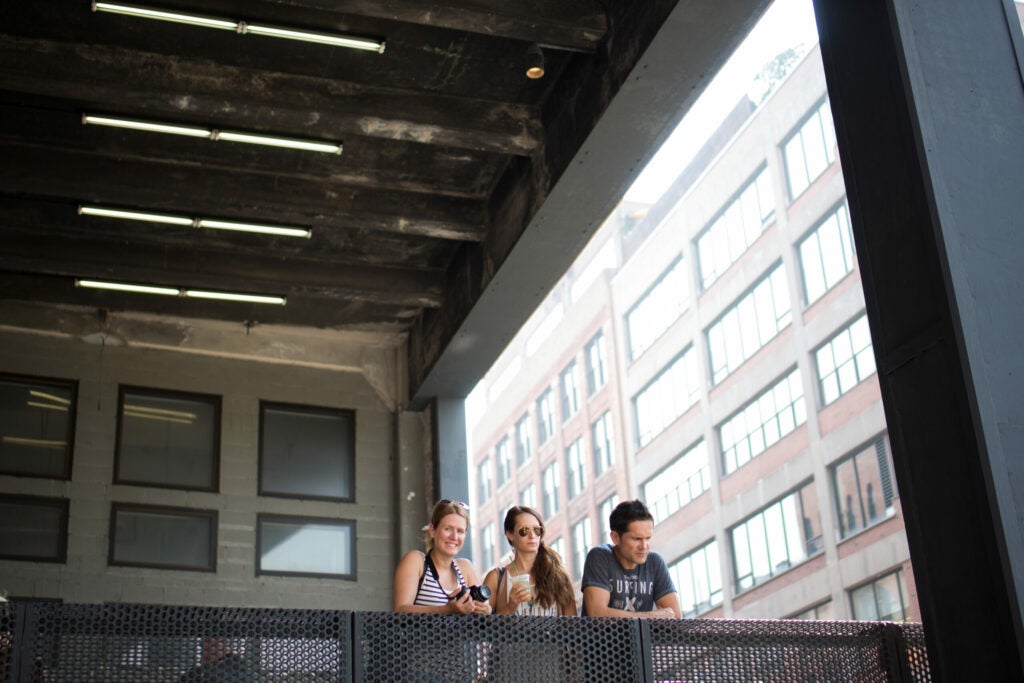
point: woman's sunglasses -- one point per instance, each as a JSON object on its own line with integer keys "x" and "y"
{"x": 537, "y": 531}
{"x": 449, "y": 501}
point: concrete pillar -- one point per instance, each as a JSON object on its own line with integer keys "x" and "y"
{"x": 450, "y": 457}
{"x": 929, "y": 109}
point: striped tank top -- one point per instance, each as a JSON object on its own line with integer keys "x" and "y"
{"x": 430, "y": 593}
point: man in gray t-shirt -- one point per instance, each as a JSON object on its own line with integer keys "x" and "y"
{"x": 626, "y": 578}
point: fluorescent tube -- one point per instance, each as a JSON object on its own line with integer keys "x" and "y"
{"x": 231, "y": 296}
{"x": 127, "y": 287}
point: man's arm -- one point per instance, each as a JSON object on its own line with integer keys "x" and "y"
{"x": 669, "y": 601}
{"x": 596, "y": 599}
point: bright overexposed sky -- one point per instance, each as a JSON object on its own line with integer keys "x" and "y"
{"x": 786, "y": 24}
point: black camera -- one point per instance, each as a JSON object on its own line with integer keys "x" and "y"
{"x": 477, "y": 593}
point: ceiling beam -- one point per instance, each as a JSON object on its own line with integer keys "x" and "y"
{"x": 568, "y": 24}
{"x": 82, "y": 176}
{"x": 95, "y": 257}
{"x": 130, "y": 82}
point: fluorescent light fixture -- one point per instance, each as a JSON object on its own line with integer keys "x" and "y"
{"x": 310, "y": 37}
{"x": 242, "y": 27}
{"x": 213, "y": 134}
{"x": 48, "y": 406}
{"x": 134, "y": 215}
{"x": 127, "y": 287}
{"x": 198, "y": 222}
{"x": 253, "y": 227}
{"x": 49, "y": 397}
{"x": 150, "y": 126}
{"x": 164, "y": 15}
{"x": 290, "y": 143}
{"x": 44, "y": 443}
{"x": 232, "y": 296}
{"x": 160, "y": 411}
{"x": 162, "y": 418}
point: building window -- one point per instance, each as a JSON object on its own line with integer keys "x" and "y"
{"x": 581, "y": 542}
{"x": 306, "y": 546}
{"x": 167, "y": 439}
{"x": 163, "y": 537}
{"x": 679, "y": 483}
{"x": 504, "y": 462}
{"x": 33, "y": 528}
{"x": 528, "y": 496}
{"x": 487, "y": 546}
{"x": 577, "y": 468}
{"x": 735, "y": 228}
{"x": 864, "y": 488}
{"x": 776, "y": 538}
{"x": 698, "y": 578}
{"x": 658, "y": 308}
{"x": 757, "y": 426}
{"x": 523, "y": 448}
{"x": 483, "y": 481}
{"x": 550, "y": 481}
{"x": 749, "y": 324}
{"x": 845, "y": 360}
{"x": 880, "y": 600}
{"x": 545, "y": 417}
{"x": 602, "y": 439}
{"x": 597, "y": 364}
{"x": 604, "y": 514}
{"x": 307, "y": 452}
{"x": 558, "y": 545}
{"x": 827, "y": 255}
{"x": 37, "y": 423}
{"x": 824, "y": 611}
{"x": 667, "y": 396}
{"x": 570, "y": 391}
{"x": 810, "y": 150}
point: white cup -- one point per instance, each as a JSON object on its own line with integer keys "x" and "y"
{"x": 523, "y": 579}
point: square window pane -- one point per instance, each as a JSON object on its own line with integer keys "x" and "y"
{"x": 306, "y": 546}
{"x": 36, "y": 427}
{"x": 33, "y": 528}
{"x": 172, "y": 538}
{"x": 307, "y": 452}
{"x": 168, "y": 439}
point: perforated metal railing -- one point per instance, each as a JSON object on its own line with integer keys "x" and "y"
{"x": 52, "y": 642}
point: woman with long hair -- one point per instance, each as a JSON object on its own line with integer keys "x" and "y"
{"x": 433, "y": 582}
{"x": 534, "y": 582}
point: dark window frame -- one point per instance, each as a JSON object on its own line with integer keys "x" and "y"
{"x": 72, "y": 414}
{"x": 194, "y": 513}
{"x": 305, "y": 519}
{"x": 62, "y": 504}
{"x": 322, "y": 410}
{"x": 214, "y": 399}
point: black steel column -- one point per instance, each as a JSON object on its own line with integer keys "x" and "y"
{"x": 929, "y": 110}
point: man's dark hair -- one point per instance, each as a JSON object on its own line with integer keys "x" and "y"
{"x": 627, "y": 512}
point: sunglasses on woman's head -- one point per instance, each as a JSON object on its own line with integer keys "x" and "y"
{"x": 449, "y": 501}
{"x": 537, "y": 531}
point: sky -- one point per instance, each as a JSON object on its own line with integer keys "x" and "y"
{"x": 787, "y": 23}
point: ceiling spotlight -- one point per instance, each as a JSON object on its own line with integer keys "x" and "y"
{"x": 241, "y": 27}
{"x": 534, "y": 62}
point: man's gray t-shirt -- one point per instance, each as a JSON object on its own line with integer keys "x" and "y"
{"x": 633, "y": 591}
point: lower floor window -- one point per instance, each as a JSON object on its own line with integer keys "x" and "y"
{"x": 306, "y": 546}
{"x": 164, "y": 537}
{"x": 33, "y": 528}
{"x": 883, "y": 599}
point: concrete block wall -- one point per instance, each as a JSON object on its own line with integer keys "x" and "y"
{"x": 99, "y": 369}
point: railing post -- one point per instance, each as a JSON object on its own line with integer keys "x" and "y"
{"x": 643, "y": 638}
{"x": 357, "y": 650}
{"x": 897, "y": 662}
{"x": 26, "y": 619}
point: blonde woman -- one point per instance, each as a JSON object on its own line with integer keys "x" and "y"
{"x": 433, "y": 582}
{"x": 534, "y": 582}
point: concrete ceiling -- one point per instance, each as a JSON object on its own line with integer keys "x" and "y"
{"x": 463, "y": 191}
